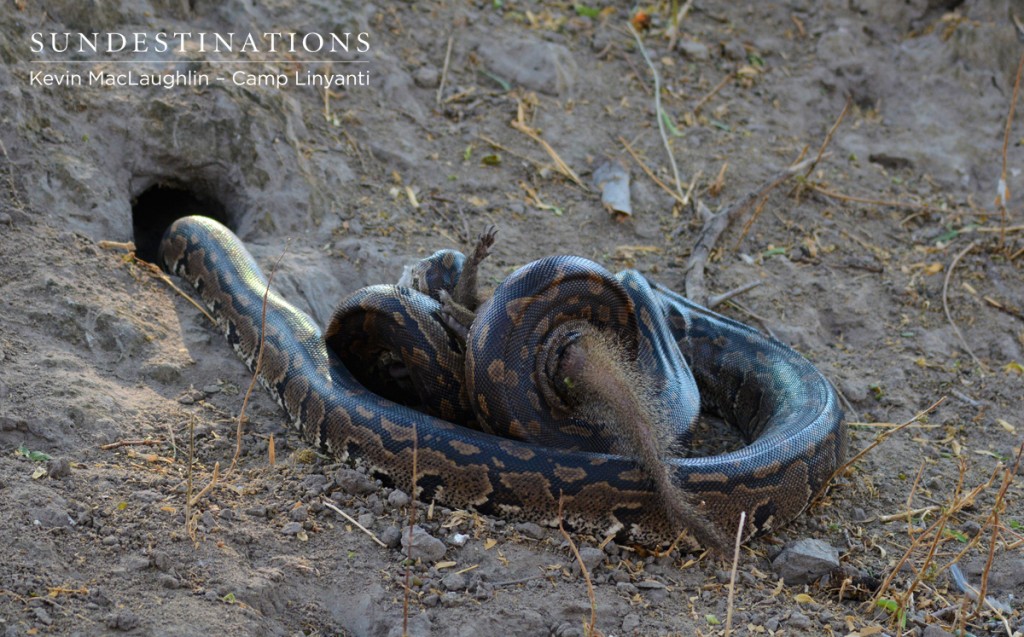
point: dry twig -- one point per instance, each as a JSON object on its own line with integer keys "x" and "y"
{"x": 732, "y": 575}
{"x": 945, "y": 306}
{"x": 257, "y": 367}
{"x": 591, "y": 628}
{"x": 444, "y": 71}
{"x": 330, "y": 505}
{"x": 716, "y": 223}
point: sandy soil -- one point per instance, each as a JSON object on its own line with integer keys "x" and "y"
{"x": 356, "y": 183}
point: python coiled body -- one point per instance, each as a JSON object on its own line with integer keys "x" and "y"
{"x": 782, "y": 406}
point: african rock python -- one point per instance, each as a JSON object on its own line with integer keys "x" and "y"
{"x": 783, "y": 407}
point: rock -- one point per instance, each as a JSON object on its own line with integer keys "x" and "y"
{"x": 427, "y": 76}
{"x": 423, "y": 545}
{"x": 630, "y": 623}
{"x": 391, "y": 536}
{"x": 734, "y": 50}
{"x": 42, "y": 615}
{"x": 58, "y": 468}
{"x": 124, "y": 620}
{"x": 694, "y": 50}
{"x": 537, "y": 65}
{"x": 398, "y": 498}
{"x": 164, "y": 580}
{"x": 626, "y": 589}
{"x": 805, "y": 561}
{"x": 291, "y": 528}
{"x": 299, "y": 513}
{"x": 591, "y": 557}
{"x": 799, "y": 621}
{"x": 365, "y": 520}
{"x": 531, "y": 530}
{"x": 931, "y": 630}
{"x": 354, "y": 482}
{"x": 51, "y": 515}
{"x": 454, "y": 581}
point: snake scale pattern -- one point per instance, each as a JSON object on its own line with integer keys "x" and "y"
{"x": 784, "y": 409}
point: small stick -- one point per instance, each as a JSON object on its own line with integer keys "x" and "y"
{"x": 444, "y": 71}
{"x": 718, "y": 299}
{"x": 718, "y": 87}
{"x": 732, "y": 576}
{"x": 716, "y": 223}
{"x": 905, "y": 515}
{"x": 330, "y": 505}
{"x": 659, "y": 113}
{"x": 519, "y": 124}
{"x": 906, "y": 205}
{"x": 682, "y": 199}
{"x": 994, "y": 519}
{"x": 945, "y": 306}
{"x": 883, "y": 436}
{"x": 129, "y": 443}
{"x": 583, "y": 567}
{"x": 209, "y": 487}
{"x": 257, "y": 367}
{"x": 828, "y": 138}
{"x": 412, "y": 522}
{"x": 1002, "y": 195}
{"x": 188, "y": 476}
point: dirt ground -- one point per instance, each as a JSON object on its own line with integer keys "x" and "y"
{"x": 858, "y": 260}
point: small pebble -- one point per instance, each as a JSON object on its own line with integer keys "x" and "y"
{"x": 626, "y": 588}
{"x": 365, "y": 520}
{"x": 42, "y": 616}
{"x": 391, "y": 536}
{"x": 291, "y": 528}
{"x": 211, "y": 389}
{"x": 591, "y": 557}
{"x": 458, "y": 539}
{"x": 299, "y": 513}
{"x": 398, "y": 498}
{"x": 167, "y": 581}
{"x": 422, "y": 545}
{"x": 58, "y": 468}
{"x": 799, "y": 621}
{"x": 650, "y": 584}
{"x": 110, "y": 540}
{"x": 531, "y": 530}
{"x": 454, "y": 581}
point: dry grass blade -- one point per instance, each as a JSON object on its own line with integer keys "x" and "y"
{"x": 330, "y": 505}
{"x": 732, "y": 574}
{"x": 1003, "y": 194}
{"x": 883, "y": 436}
{"x": 993, "y": 520}
{"x": 660, "y": 115}
{"x": 828, "y": 138}
{"x": 718, "y": 87}
{"x": 444, "y": 71}
{"x": 945, "y": 306}
{"x": 412, "y": 523}
{"x": 680, "y": 197}
{"x": 591, "y": 629}
{"x": 256, "y": 368}
{"x": 520, "y": 125}
{"x": 154, "y": 271}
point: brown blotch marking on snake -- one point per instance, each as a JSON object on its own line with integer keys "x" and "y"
{"x": 515, "y": 309}
{"x": 635, "y": 476}
{"x": 570, "y": 474}
{"x": 533, "y": 490}
{"x": 767, "y": 471}
{"x": 517, "y": 431}
{"x": 497, "y": 463}
{"x": 464, "y": 448}
{"x": 365, "y": 413}
{"x": 398, "y": 431}
{"x": 465, "y": 484}
{"x": 314, "y": 409}
{"x": 296, "y": 390}
{"x": 516, "y": 451}
{"x": 502, "y": 375}
{"x": 481, "y": 400}
{"x": 707, "y": 477}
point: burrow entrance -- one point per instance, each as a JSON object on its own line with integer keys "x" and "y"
{"x": 157, "y": 208}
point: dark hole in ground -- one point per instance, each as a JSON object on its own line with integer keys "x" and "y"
{"x": 157, "y": 208}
